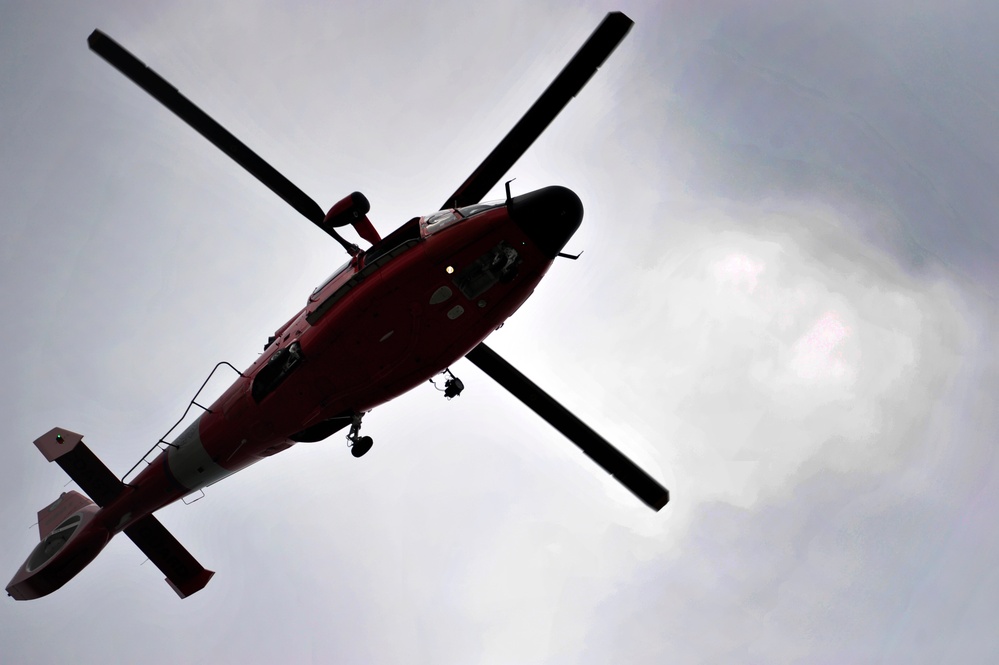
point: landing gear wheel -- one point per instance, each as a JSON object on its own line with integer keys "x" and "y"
{"x": 358, "y": 444}
{"x": 361, "y": 446}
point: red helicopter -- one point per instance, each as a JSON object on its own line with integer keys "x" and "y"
{"x": 392, "y": 317}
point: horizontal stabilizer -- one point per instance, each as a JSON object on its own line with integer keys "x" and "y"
{"x": 68, "y": 450}
{"x": 183, "y": 572}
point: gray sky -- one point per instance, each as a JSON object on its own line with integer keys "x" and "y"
{"x": 785, "y": 312}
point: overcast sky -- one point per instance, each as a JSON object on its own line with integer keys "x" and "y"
{"x": 785, "y": 311}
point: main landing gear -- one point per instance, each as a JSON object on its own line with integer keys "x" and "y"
{"x": 358, "y": 444}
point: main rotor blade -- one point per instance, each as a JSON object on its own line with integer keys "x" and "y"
{"x": 566, "y": 85}
{"x": 170, "y": 97}
{"x": 612, "y": 460}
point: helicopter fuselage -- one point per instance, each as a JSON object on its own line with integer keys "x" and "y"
{"x": 392, "y": 317}
{"x": 387, "y": 321}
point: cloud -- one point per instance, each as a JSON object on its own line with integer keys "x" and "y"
{"x": 799, "y": 390}
{"x": 881, "y": 106}
{"x": 782, "y": 312}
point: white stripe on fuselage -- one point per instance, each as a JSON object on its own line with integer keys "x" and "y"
{"x": 189, "y": 463}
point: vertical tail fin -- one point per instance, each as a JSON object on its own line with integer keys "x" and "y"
{"x": 59, "y": 510}
{"x": 70, "y": 538}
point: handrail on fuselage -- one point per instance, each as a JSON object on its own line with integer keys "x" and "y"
{"x": 193, "y": 402}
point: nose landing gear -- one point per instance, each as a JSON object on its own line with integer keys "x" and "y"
{"x": 452, "y": 386}
{"x": 358, "y": 444}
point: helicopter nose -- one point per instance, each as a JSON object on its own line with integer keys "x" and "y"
{"x": 549, "y": 216}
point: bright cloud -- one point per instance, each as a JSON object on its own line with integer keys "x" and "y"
{"x": 738, "y": 270}
{"x": 817, "y": 353}
{"x": 777, "y": 352}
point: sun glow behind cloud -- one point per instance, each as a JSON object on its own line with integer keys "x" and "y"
{"x": 778, "y": 344}
{"x": 738, "y": 270}
{"x": 769, "y": 355}
{"x": 817, "y": 354}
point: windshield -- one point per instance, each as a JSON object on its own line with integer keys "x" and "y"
{"x": 476, "y": 208}
{"x": 442, "y": 219}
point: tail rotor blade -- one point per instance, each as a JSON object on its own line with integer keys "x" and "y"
{"x": 566, "y": 85}
{"x": 612, "y": 460}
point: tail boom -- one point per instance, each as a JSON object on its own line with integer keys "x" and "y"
{"x": 74, "y": 529}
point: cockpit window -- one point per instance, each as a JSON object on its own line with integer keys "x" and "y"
{"x": 358, "y": 269}
{"x": 476, "y": 208}
{"x": 441, "y": 220}
{"x": 336, "y": 273}
{"x": 393, "y": 244}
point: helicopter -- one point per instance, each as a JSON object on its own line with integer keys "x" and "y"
{"x": 391, "y": 318}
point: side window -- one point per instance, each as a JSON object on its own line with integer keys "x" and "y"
{"x": 497, "y": 265}
{"x": 277, "y": 369}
